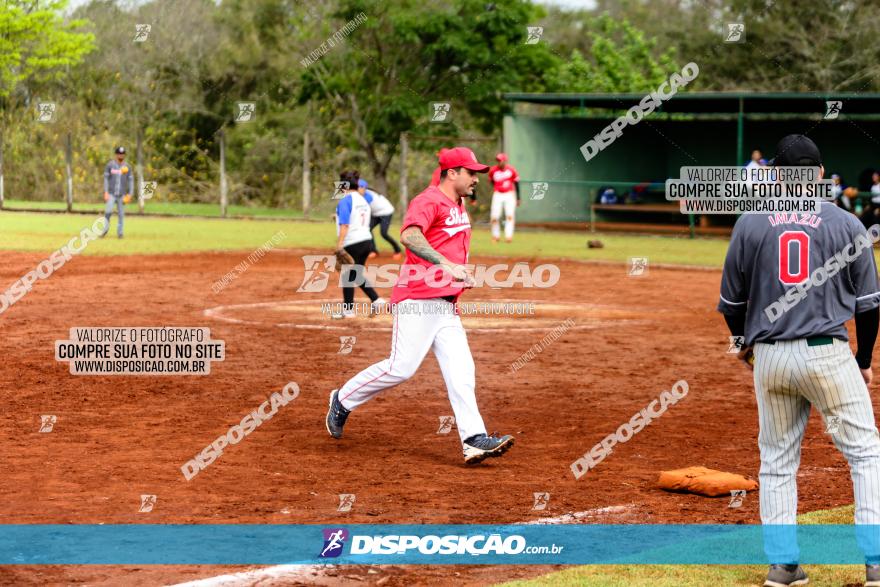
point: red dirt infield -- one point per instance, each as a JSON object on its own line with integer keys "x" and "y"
{"x": 118, "y": 437}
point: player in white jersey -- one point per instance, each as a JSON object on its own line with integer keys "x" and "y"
{"x": 354, "y": 236}
{"x": 382, "y": 211}
{"x": 790, "y": 284}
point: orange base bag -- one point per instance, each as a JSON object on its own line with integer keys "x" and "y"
{"x": 703, "y": 481}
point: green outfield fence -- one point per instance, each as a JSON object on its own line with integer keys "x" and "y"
{"x": 649, "y": 206}
{"x": 578, "y": 201}
{"x": 544, "y": 133}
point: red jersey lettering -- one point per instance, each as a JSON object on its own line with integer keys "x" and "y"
{"x": 447, "y": 228}
{"x": 503, "y": 179}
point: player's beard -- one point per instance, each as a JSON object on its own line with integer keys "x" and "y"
{"x": 468, "y": 191}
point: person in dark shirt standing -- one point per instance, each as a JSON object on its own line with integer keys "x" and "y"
{"x": 790, "y": 284}
{"x": 118, "y": 187}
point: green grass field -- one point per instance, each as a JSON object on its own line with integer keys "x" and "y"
{"x": 701, "y": 575}
{"x": 175, "y": 208}
{"x": 25, "y": 231}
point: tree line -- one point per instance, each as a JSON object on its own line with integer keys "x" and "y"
{"x": 173, "y": 76}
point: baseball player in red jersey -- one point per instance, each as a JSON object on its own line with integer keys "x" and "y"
{"x": 435, "y": 180}
{"x": 437, "y": 233}
{"x": 505, "y": 180}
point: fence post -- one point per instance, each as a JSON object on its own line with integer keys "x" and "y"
{"x": 739, "y": 133}
{"x": 223, "y": 186}
{"x": 68, "y": 158}
{"x": 404, "y": 154}
{"x": 139, "y": 168}
{"x": 1, "y": 171}
{"x": 307, "y": 175}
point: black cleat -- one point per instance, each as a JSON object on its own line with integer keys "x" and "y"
{"x": 336, "y": 415}
{"x": 786, "y": 575}
{"x": 872, "y": 575}
{"x": 480, "y": 447}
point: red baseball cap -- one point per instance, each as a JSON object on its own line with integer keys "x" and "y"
{"x": 461, "y": 157}
{"x": 501, "y": 157}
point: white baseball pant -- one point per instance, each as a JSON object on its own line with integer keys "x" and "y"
{"x": 506, "y": 202}
{"x": 420, "y": 325}
{"x": 790, "y": 377}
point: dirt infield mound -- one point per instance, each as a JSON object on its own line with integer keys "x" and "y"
{"x": 117, "y": 438}
{"x": 477, "y": 316}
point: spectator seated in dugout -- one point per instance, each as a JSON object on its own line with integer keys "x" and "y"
{"x": 841, "y": 193}
{"x": 608, "y": 195}
{"x": 875, "y": 189}
{"x": 757, "y": 160}
{"x": 869, "y": 181}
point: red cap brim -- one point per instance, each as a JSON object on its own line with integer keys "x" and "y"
{"x": 478, "y": 167}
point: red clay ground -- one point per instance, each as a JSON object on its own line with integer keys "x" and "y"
{"x": 119, "y": 437}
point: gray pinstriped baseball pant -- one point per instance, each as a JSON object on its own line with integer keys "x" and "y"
{"x": 790, "y": 377}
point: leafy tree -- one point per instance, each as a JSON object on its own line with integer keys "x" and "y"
{"x": 824, "y": 45}
{"x": 150, "y": 93}
{"x": 37, "y": 51}
{"x": 621, "y": 59}
{"x": 258, "y": 62}
{"x": 36, "y": 45}
{"x": 382, "y": 80}
{"x": 820, "y": 46}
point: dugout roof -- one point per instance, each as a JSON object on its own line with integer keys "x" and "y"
{"x": 716, "y": 102}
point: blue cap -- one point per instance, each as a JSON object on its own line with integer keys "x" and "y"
{"x": 362, "y": 183}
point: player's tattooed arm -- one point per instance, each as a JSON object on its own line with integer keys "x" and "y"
{"x": 413, "y": 239}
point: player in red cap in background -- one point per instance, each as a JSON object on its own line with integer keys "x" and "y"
{"x": 437, "y": 234}
{"x": 505, "y": 180}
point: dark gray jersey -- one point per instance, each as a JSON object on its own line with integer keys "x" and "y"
{"x": 118, "y": 178}
{"x": 798, "y": 275}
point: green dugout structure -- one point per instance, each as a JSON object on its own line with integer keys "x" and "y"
{"x": 544, "y": 134}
